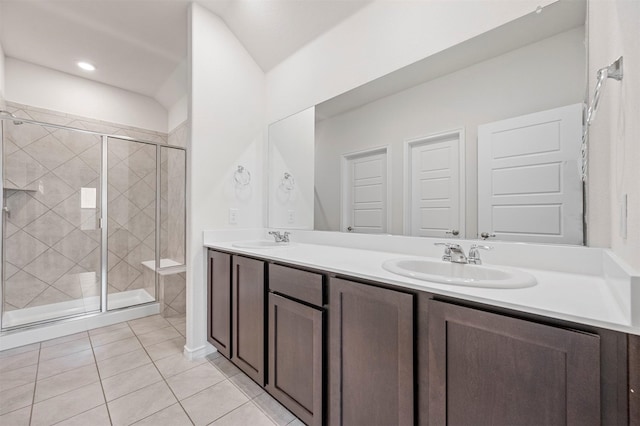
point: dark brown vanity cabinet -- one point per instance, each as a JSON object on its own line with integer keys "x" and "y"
{"x": 296, "y": 350}
{"x": 248, "y": 317}
{"x": 634, "y": 380}
{"x": 371, "y": 355}
{"x": 486, "y": 368}
{"x": 219, "y": 301}
{"x": 341, "y": 352}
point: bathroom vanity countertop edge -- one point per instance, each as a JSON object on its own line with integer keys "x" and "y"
{"x": 585, "y": 299}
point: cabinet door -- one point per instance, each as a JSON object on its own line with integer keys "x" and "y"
{"x": 295, "y": 357}
{"x": 370, "y": 355}
{"x": 486, "y": 368}
{"x": 219, "y": 301}
{"x": 248, "y": 317}
{"x": 634, "y": 380}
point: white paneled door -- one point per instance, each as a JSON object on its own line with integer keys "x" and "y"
{"x": 529, "y": 187}
{"x": 365, "y": 192}
{"x": 434, "y": 186}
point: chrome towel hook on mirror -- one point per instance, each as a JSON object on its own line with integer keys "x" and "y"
{"x": 242, "y": 177}
{"x": 612, "y": 71}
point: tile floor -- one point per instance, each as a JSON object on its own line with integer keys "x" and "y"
{"x": 129, "y": 373}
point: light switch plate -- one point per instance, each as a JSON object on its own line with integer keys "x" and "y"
{"x": 291, "y": 216}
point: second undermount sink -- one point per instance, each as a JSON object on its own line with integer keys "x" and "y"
{"x": 460, "y": 274}
{"x": 260, "y": 244}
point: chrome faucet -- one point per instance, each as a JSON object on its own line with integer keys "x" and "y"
{"x": 474, "y": 253}
{"x": 280, "y": 238}
{"x": 453, "y": 253}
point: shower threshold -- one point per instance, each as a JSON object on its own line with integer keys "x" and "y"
{"x": 27, "y": 316}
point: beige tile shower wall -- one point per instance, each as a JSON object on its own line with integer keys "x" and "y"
{"x": 175, "y": 194}
{"x": 132, "y": 214}
{"x": 172, "y": 236}
{"x": 179, "y": 135}
{"x": 173, "y": 297}
{"x": 52, "y": 246}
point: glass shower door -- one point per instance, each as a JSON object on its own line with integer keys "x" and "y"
{"x": 51, "y": 235}
{"x": 131, "y": 194}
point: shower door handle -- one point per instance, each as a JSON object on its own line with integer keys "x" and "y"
{"x": 6, "y": 210}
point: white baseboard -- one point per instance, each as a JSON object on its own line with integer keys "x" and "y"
{"x": 199, "y": 352}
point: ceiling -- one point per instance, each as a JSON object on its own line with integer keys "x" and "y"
{"x": 141, "y": 45}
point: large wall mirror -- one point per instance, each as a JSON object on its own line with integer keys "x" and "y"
{"x": 481, "y": 140}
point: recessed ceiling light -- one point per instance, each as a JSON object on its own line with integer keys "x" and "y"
{"x": 86, "y": 66}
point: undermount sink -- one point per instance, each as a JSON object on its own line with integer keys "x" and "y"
{"x": 460, "y": 274}
{"x": 260, "y": 244}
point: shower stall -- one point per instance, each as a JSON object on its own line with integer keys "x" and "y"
{"x": 90, "y": 221}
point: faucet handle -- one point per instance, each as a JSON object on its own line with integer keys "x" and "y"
{"x": 285, "y": 236}
{"x": 474, "y": 254}
{"x": 447, "y": 251}
{"x": 447, "y": 245}
{"x": 480, "y": 246}
{"x": 276, "y": 236}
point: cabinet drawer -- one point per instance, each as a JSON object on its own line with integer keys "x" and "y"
{"x": 301, "y": 285}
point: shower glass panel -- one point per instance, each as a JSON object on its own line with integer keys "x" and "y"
{"x": 172, "y": 206}
{"x": 131, "y": 213}
{"x": 51, "y": 237}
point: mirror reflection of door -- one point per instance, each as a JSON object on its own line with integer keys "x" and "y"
{"x": 528, "y": 182}
{"x": 365, "y": 192}
{"x": 435, "y": 205}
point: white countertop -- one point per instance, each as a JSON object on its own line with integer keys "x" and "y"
{"x": 605, "y": 295}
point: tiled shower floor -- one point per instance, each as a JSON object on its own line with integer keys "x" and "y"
{"x": 129, "y": 373}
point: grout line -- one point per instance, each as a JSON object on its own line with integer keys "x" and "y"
{"x": 70, "y": 390}
{"x": 63, "y": 337}
{"x": 67, "y": 354}
{"x": 95, "y": 361}
{"x": 166, "y": 384}
{"x": 101, "y": 386}
{"x": 35, "y": 383}
{"x": 265, "y": 411}
{"x": 237, "y": 408}
{"x": 39, "y": 294}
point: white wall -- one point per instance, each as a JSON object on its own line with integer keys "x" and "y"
{"x": 173, "y": 96}
{"x": 380, "y": 38}
{"x": 178, "y": 113}
{"x": 227, "y": 121}
{"x": 42, "y": 87}
{"x": 291, "y": 150}
{"x": 537, "y": 77}
{"x": 614, "y": 30}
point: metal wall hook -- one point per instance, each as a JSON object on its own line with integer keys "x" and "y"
{"x": 614, "y": 70}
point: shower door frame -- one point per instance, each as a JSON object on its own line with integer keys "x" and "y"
{"x": 103, "y": 220}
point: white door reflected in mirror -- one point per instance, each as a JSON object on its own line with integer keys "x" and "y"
{"x": 364, "y": 183}
{"x": 436, "y": 186}
{"x": 529, "y": 186}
